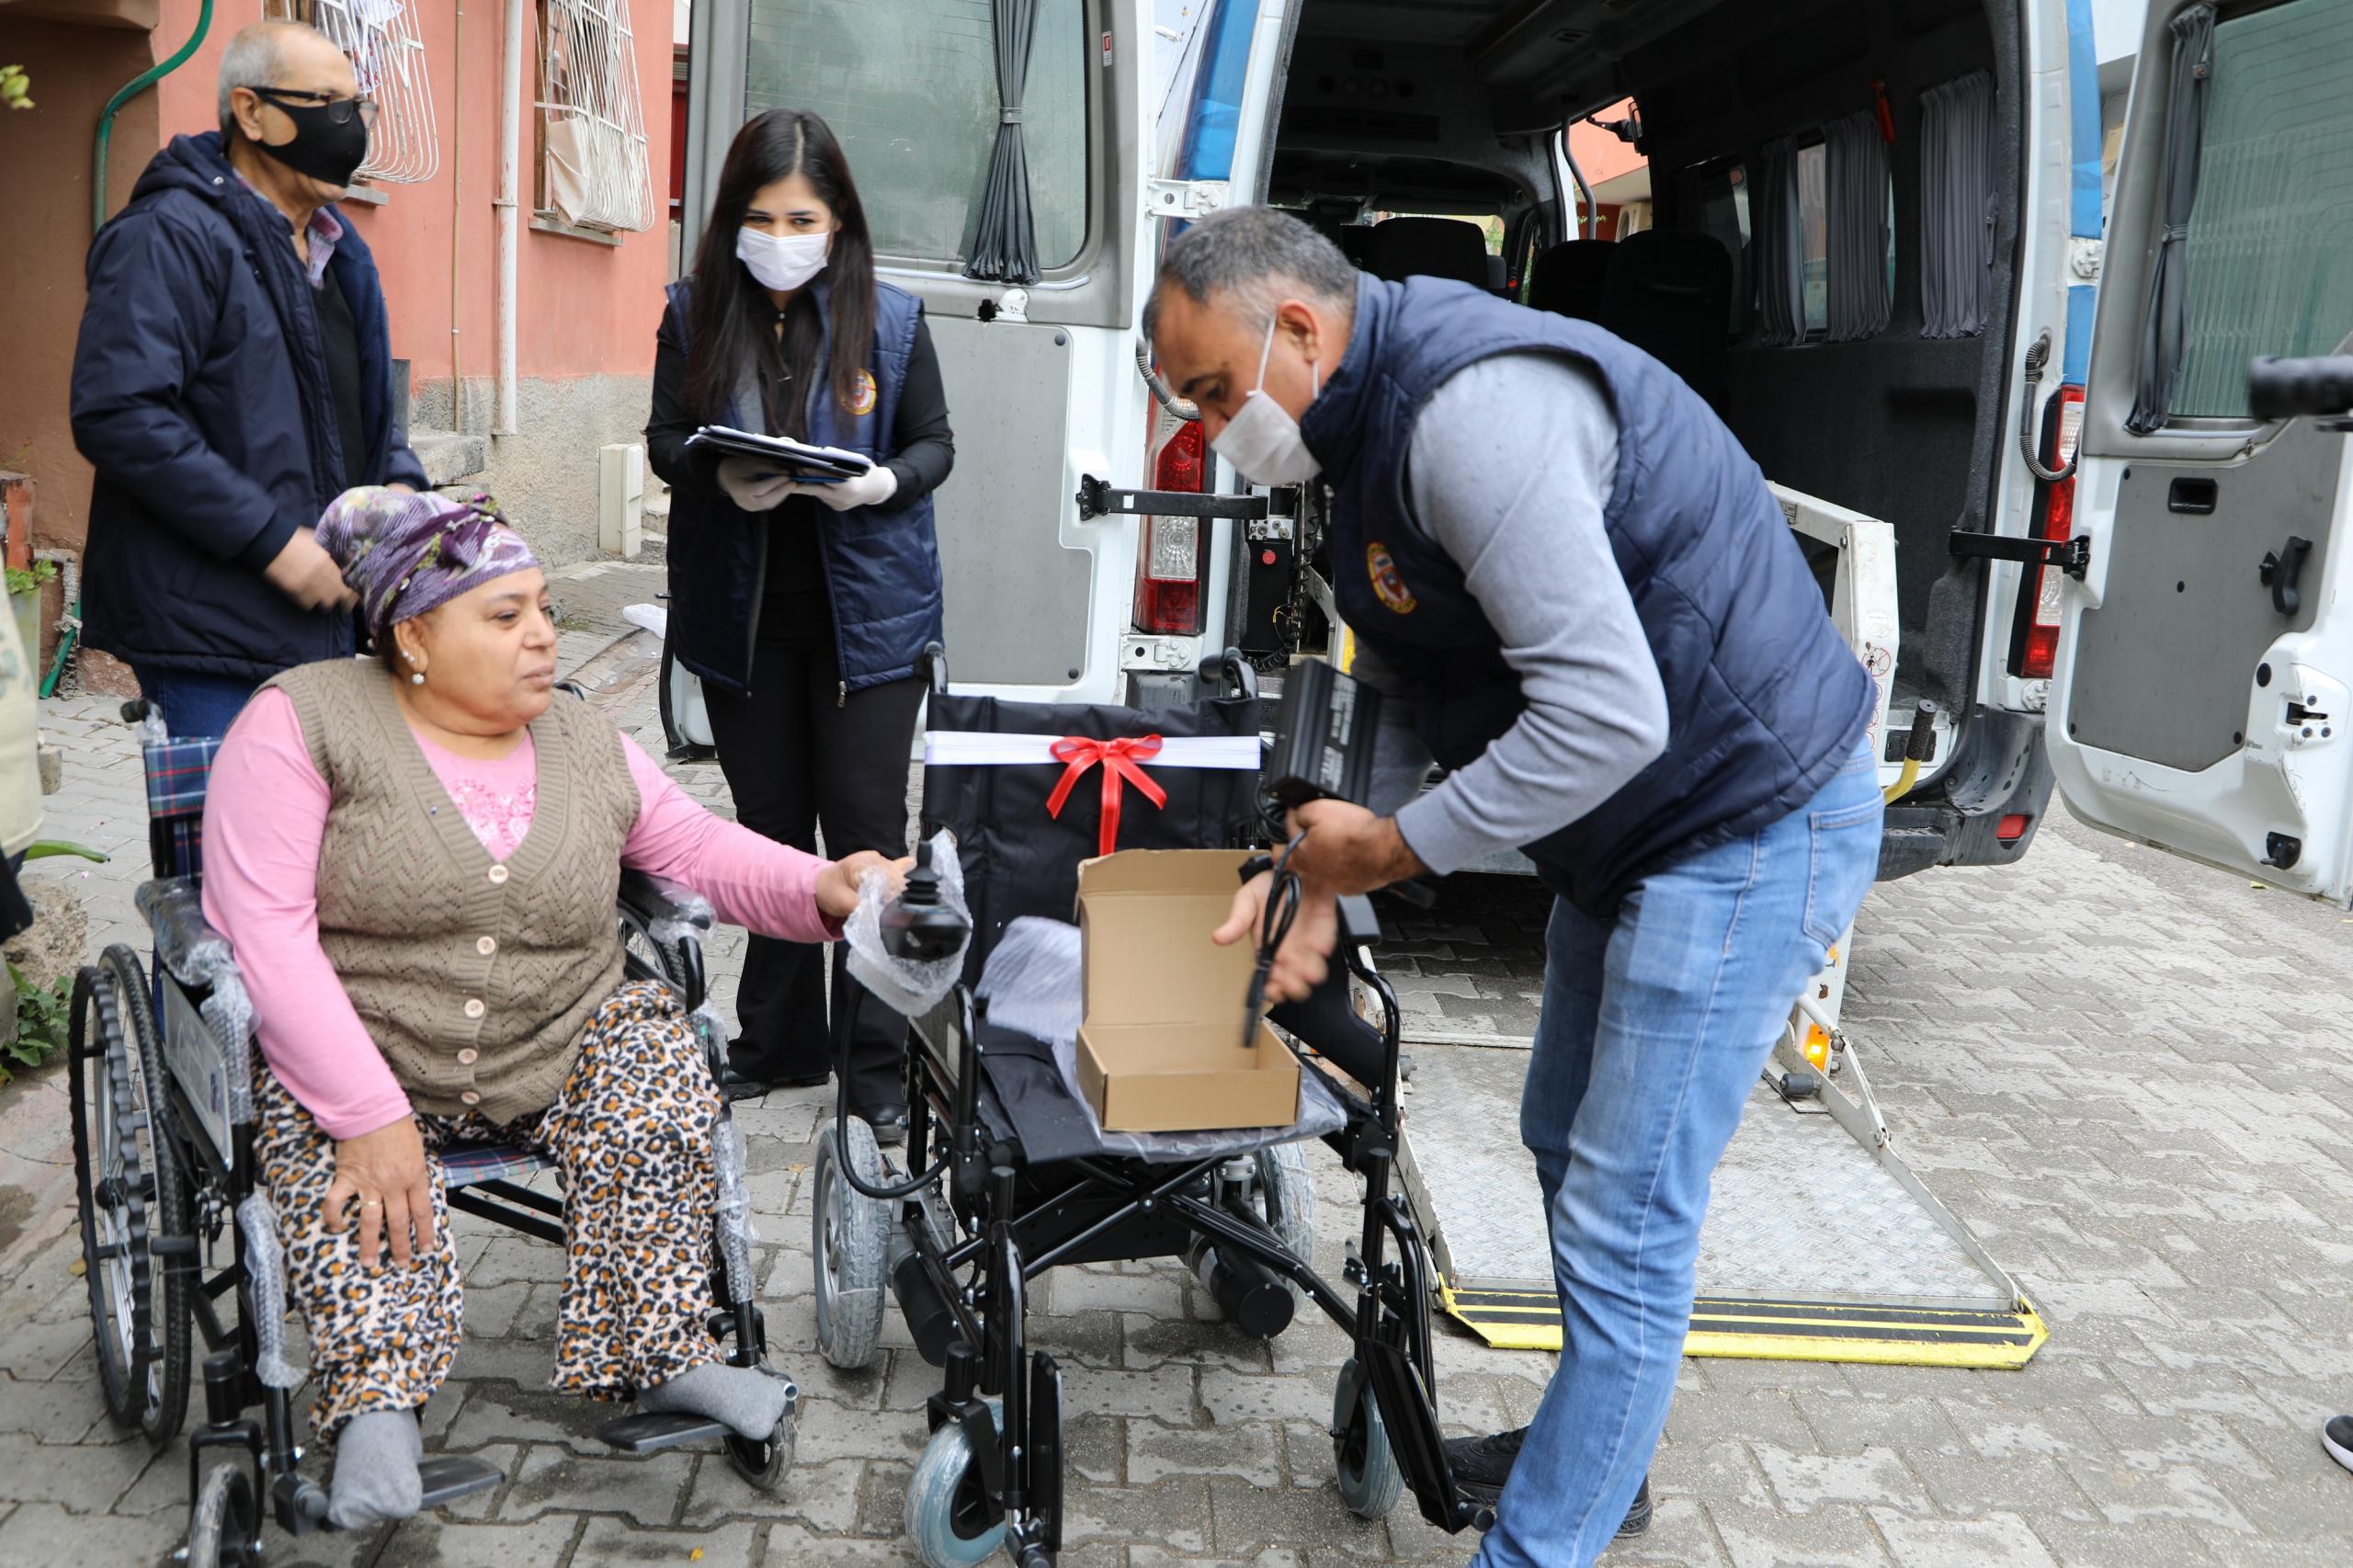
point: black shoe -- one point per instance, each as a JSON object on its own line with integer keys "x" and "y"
{"x": 889, "y": 1122}
{"x": 2338, "y": 1438}
{"x": 1481, "y": 1465}
{"x": 745, "y": 1080}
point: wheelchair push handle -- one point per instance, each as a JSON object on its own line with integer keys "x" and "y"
{"x": 917, "y": 926}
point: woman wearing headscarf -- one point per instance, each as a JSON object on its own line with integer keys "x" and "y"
{"x": 803, "y": 606}
{"x": 416, "y": 860}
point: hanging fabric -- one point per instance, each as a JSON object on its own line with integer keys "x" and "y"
{"x": 1956, "y": 207}
{"x": 1854, "y": 158}
{"x": 2164, "y": 342}
{"x": 1781, "y": 265}
{"x": 1005, "y": 243}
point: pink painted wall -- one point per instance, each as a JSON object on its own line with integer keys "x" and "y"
{"x": 584, "y": 308}
{"x": 1599, "y": 154}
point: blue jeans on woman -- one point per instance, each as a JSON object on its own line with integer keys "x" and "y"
{"x": 1655, "y": 1024}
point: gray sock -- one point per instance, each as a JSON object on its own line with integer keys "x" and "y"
{"x": 744, "y": 1397}
{"x": 376, "y": 1457}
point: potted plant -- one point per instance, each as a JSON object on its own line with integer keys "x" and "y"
{"x": 24, "y": 585}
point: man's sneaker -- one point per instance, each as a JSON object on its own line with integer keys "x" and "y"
{"x": 2337, "y": 1437}
{"x": 1481, "y": 1465}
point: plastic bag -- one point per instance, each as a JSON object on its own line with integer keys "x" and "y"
{"x": 265, "y": 1263}
{"x": 906, "y": 985}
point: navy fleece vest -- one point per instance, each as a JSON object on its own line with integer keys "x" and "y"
{"x": 1764, "y": 700}
{"x": 881, "y": 564}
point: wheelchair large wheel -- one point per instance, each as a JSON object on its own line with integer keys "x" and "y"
{"x": 849, "y": 1244}
{"x": 1368, "y": 1476}
{"x": 1286, "y": 1200}
{"x": 950, "y": 1522}
{"x": 224, "y": 1527}
{"x": 131, "y": 1190}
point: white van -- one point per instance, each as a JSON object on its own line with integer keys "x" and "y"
{"x": 1873, "y": 244}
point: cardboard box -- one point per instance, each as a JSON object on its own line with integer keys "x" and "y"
{"x": 1160, "y": 1049}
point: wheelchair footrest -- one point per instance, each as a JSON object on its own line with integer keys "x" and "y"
{"x": 650, "y": 1432}
{"x": 447, "y": 1477}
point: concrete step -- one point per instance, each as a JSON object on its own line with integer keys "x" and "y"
{"x": 449, "y": 457}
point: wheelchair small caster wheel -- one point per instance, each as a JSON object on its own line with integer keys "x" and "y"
{"x": 1366, "y": 1468}
{"x": 949, "y": 1518}
{"x": 223, "y": 1529}
{"x": 763, "y": 1463}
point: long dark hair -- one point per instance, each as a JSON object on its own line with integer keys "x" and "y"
{"x": 733, "y": 316}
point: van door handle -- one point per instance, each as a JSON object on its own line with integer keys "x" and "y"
{"x": 2281, "y": 570}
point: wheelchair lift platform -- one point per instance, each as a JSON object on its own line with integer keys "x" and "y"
{"x": 1820, "y": 1244}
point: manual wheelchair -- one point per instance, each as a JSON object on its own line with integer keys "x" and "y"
{"x": 161, "y": 1089}
{"x": 1006, "y": 1173}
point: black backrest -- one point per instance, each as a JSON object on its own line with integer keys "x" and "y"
{"x": 1669, "y": 293}
{"x": 1428, "y": 248}
{"x": 1570, "y": 277}
{"x": 1354, "y": 240}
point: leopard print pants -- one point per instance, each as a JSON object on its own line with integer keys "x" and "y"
{"x": 630, "y": 1133}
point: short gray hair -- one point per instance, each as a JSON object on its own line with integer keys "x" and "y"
{"x": 255, "y": 58}
{"x": 1258, "y": 255}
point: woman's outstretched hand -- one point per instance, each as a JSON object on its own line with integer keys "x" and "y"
{"x": 837, "y": 884}
{"x": 384, "y": 1172}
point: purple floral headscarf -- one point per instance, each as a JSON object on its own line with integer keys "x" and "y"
{"x": 405, "y": 554}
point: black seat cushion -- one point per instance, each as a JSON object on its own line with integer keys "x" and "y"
{"x": 1428, "y": 248}
{"x": 1570, "y": 278}
{"x": 1669, "y": 294}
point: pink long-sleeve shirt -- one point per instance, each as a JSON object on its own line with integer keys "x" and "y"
{"x": 266, "y": 817}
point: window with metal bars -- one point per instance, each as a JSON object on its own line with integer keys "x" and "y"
{"x": 380, "y": 38}
{"x": 591, "y": 140}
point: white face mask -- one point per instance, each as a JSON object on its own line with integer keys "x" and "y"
{"x": 782, "y": 264}
{"x": 1261, "y": 440}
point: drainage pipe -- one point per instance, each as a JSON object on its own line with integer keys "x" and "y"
{"x": 130, "y": 90}
{"x": 510, "y": 170}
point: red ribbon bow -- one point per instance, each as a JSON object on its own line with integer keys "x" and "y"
{"x": 1118, "y": 758}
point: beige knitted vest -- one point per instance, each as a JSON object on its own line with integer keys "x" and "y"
{"x": 475, "y": 977}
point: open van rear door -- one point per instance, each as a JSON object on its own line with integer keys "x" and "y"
{"x": 2203, "y": 699}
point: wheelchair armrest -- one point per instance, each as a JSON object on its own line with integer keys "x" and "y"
{"x": 651, "y": 900}
{"x": 195, "y": 954}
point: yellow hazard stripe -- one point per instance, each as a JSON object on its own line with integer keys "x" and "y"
{"x": 1882, "y": 1333}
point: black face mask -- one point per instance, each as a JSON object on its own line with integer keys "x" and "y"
{"x": 323, "y": 149}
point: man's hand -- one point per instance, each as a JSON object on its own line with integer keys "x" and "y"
{"x": 838, "y": 883}
{"x": 1347, "y": 850}
{"x": 1304, "y": 959}
{"x": 308, "y": 575}
{"x": 752, "y": 486}
{"x": 385, "y": 1171}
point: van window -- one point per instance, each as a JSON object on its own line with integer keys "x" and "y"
{"x": 1715, "y": 201}
{"x": 2268, "y": 258}
{"x": 877, "y": 69}
{"x": 1813, "y": 236}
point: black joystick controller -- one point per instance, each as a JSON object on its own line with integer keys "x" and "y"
{"x": 917, "y": 926}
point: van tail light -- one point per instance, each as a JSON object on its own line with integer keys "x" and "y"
{"x": 1172, "y": 553}
{"x": 2057, "y": 522}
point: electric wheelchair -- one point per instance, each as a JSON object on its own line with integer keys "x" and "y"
{"x": 1006, "y": 1173}
{"x": 173, "y": 1224}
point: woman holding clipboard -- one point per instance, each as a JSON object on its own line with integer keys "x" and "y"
{"x": 801, "y": 597}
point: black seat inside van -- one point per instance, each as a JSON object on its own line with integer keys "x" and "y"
{"x": 1569, "y": 278}
{"x": 1399, "y": 249}
{"x": 1668, "y": 292}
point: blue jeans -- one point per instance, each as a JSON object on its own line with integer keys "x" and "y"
{"x": 1653, "y": 1027}
{"x": 194, "y": 704}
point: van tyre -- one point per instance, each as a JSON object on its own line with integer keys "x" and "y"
{"x": 950, "y": 1522}
{"x": 850, "y": 1247}
{"x": 1365, "y": 1467}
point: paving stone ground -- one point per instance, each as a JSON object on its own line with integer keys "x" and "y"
{"x": 2130, "y": 1077}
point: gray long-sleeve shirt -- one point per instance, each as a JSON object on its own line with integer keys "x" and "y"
{"x": 1512, "y": 461}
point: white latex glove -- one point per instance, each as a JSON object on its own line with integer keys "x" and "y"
{"x": 872, "y": 488}
{"x": 752, "y": 487}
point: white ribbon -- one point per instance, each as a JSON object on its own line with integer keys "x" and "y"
{"x": 983, "y": 748}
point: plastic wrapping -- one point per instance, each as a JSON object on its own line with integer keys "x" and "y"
{"x": 265, "y": 1267}
{"x": 199, "y": 957}
{"x": 1033, "y": 986}
{"x": 735, "y": 1232}
{"x": 904, "y": 985}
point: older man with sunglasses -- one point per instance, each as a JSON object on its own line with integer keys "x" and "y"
{"x": 234, "y": 377}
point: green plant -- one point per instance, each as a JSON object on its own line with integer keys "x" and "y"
{"x": 49, "y": 848}
{"x": 44, "y": 1018}
{"x": 29, "y": 579}
{"x": 13, "y": 85}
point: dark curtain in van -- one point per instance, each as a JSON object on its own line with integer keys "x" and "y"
{"x": 1956, "y": 207}
{"x": 1005, "y": 245}
{"x": 1858, "y": 222}
{"x": 1780, "y": 264}
{"x": 2165, "y": 338}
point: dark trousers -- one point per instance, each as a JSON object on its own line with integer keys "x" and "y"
{"x": 798, "y": 757}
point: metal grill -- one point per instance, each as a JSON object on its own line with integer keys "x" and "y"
{"x": 595, "y": 174}
{"x": 379, "y": 37}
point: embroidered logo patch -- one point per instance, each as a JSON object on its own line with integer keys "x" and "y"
{"x": 863, "y": 404}
{"x": 1386, "y": 582}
